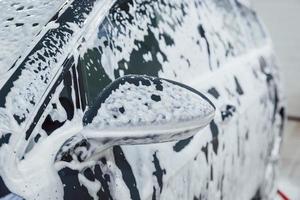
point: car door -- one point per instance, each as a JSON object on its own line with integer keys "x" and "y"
{"x": 214, "y": 46}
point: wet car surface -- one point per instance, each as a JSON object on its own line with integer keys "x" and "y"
{"x": 218, "y": 48}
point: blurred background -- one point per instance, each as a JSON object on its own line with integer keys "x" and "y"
{"x": 282, "y": 18}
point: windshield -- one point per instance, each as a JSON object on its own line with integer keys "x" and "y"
{"x": 20, "y": 21}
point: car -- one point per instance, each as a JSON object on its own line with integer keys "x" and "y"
{"x": 138, "y": 99}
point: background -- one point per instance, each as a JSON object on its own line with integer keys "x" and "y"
{"x": 282, "y": 19}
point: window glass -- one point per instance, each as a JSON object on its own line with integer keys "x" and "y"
{"x": 178, "y": 40}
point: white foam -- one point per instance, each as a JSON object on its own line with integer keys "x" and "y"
{"x": 20, "y": 22}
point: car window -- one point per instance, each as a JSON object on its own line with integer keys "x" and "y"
{"x": 173, "y": 40}
{"x": 92, "y": 75}
{"x": 103, "y": 63}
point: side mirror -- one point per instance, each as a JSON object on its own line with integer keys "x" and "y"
{"x": 138, "y": 109}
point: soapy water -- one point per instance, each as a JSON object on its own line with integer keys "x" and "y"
{"x": 11, "y": 197}
{"x": 20, "y": 22}
{"x": 35, "y": 177}
{"x": 17, "y": 172}
{"x": 152, "y": 104}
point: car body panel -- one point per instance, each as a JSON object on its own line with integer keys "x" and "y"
{"x": 217, "y": 47}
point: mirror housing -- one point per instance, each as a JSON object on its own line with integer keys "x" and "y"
{"x": 137, "y": 109}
